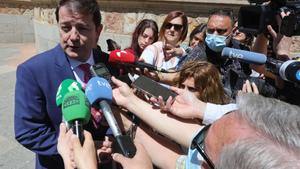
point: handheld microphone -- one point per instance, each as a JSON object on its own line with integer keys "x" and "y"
{"x": 127, "y": 58}
{"x": 244, "y": 56}
{"x": 99, "y": 94}
{"x": 76, "y": 111}
{"x": 66, "y": 86}
{"x": 288, "y": 70}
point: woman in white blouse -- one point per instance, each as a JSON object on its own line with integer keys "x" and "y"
{"x": 165, "y": 53}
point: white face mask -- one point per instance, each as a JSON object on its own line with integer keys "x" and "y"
{"x": 215, "y": 42}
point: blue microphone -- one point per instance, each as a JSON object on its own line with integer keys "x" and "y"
{"x": 244, "y": 56}
{"x": 99, "y": 94}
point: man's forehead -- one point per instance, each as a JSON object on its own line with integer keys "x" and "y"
{"x": 67, "y": 14}
{"x": 234, "y": 127}
{"x": 219, "y": 21}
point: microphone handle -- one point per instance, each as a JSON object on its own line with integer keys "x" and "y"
{"x": 110, "y": 118}
{"x": 146, "y": 65}
{"x": 77, "y": 129}
{"x": 125, "y": 143}
{"x": 150, "y": 67}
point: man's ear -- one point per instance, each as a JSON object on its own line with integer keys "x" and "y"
{"x": 99, "y": 29}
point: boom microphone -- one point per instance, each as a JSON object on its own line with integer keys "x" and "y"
{"x": 127, "y": 58}
{"x": 76, "y": 111}
{"x": 244, "y": 56}
{"x": 288, "y": 70}
{"x": 99, "y": 94}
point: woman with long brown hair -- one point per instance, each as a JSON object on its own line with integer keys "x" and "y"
{"x": 203, "y": 79}
{"x": 145, "y": 33}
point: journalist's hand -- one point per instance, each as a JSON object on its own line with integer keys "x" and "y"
{"x": 85, "y": 156}
{"x": 185, "y": 105}
{"x": 249, "y": 88}
{"x": 122, "y": 93}
{"x": 140, "y": 160}
{"x": 64, "y": 147}
{"x": 104, "y": 150}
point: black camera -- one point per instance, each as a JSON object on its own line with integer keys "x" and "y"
{"x": 254, "y": 19}
{"x": 235, "y": 79}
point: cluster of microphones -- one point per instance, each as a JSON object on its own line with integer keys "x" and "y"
{"x": 75, "y": 105}
{"x": 287, "y": 70}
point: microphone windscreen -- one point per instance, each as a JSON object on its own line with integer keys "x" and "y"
{"x": 98, "y": 89}
{"x": 76, "y": 107}
{"x": 121, "y": 56}
{"x": 66, "y": 86}
{"x": 244, "y": 56}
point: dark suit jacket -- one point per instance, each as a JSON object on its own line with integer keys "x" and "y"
{"x": 37, "y": 117}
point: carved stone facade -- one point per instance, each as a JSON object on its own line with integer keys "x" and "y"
{"x": 119, "y": 17}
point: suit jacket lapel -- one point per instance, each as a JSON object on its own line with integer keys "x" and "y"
{"x": 63, "y": 68}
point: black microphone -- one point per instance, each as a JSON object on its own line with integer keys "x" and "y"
{"x": 99, "y": 92}
{"x": 127, "y": 58}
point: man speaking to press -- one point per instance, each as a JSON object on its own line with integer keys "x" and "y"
{"x": 37, "y": 118}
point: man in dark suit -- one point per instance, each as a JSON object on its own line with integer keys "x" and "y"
{"x": 37, "y": 117}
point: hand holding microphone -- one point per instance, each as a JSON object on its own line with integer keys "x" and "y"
{"x": 76, "y": 111}
{"x": 99, "y": 94}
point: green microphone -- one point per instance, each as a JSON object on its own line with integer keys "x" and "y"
{"x": 76, "y": 111}
{"x": 65, "y": 87}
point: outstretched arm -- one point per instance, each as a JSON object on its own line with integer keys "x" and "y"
{"x": 163, "y": 123}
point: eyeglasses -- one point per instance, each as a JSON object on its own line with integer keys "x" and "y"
{"x": 198, "y": 143}
{"x": 219, "y": 31}
{"x": 177, "y": 27}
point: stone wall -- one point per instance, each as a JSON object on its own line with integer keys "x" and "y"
{"x": 16, "y": 28}
{"x": 119, "y": 17}
{"x": 117, "y": 26}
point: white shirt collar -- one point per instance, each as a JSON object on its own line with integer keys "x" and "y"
{"x": 75, "y": 63}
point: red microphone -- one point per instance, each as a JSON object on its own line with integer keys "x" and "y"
{"x": 124, "y": 57}
{"x": 121, "y": 56}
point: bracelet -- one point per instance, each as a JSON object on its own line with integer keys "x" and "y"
{"x": 132, "y": 129}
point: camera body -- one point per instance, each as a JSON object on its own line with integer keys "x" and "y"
{"x": 254, "y": 19}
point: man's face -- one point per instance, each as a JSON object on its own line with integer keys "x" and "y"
{"x": 78, "y": 33}
{"x": 219, "y": 25}
{"x": 227, "y": 130}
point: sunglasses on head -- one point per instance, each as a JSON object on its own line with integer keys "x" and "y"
{"x": 177, "y": 27}
{"x": 219, "y": 31}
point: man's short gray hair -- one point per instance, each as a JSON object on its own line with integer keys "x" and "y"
{"x": 257, "y": 154}
{"x": 277, "y": 120}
